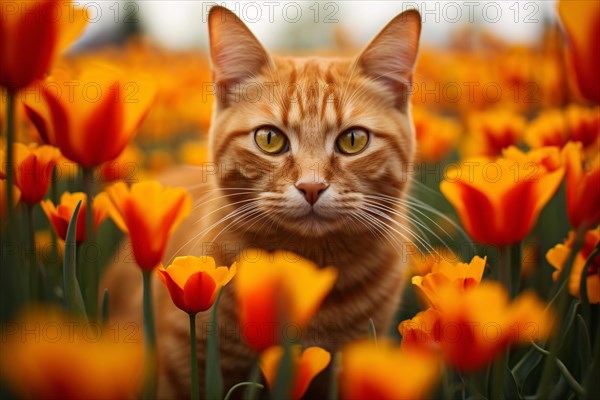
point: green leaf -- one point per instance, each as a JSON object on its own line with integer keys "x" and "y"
{"x": 585, "y": 345}
{"x": 73, "y": 297}
{"x": 575, "y": 386}
{"x": 214, "y": 376}
{"x": 242, "y": 384}
{"x": 511, "y": 388}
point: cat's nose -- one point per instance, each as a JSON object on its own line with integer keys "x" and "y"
{"x": 312, "y": 190}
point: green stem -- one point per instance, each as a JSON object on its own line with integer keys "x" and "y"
{"x": 33, "y": 273}
{"x": 583, "y": 294}
{"x": 285, "y": 373}
{"x": 516, "y": 263}
{"x": 10, "y": 138}
{"x": 150, "y": 368}
{"x": 92, "y": 273}
{"x": 372, "y": 331}
{"x": 333, "y": 377}
{"x": 195, "y": 390}
{"x": 498, "y": 377}
{"x": 213, "y": 374}
{"x": 252, "y": 390}
{"x": 504, "y": 274}
{"x": 563, "y": 302}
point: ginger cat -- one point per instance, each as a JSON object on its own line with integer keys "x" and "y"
{"x": 308, "y": 156}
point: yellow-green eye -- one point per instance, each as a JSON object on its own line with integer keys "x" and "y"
{"x": 352, "y": 141}
{"x": 270, "y": 140}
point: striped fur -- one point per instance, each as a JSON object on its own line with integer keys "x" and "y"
{"x": 311, "y": 100}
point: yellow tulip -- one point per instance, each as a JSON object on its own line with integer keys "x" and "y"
{"x": 193, "y": 282}
{"x": 149, "y": 214}
{"x": 386, "y": 372}
{"x": 557, "y": 256}
{"x": 274, "y": 289}
{"x": 306, "y": 364}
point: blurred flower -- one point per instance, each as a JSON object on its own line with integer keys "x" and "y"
{"x": 149, "y": 214}
{"x": 158, "y": 160}
{"x": 498, "y": 202}
{"x": 549, "y": 128}
{"x": 462, "y": 275}
{"x": 48, "y": 250}
{"x": 422, "y": 332}
{"x": 583, "y": 188}
{"x": 193, "y": 153}
{"x": 548, "y": 158}
{"x": 385, "y": 372}
{"x": 491, "y": 131}
{"x": 558, "y": 255}
{"x": 555, "y": 127}
{"x": 421, "y": 263}
{"x": 101, "y": 117}
{"x": 60, "y": 215}
{"x": 126, "y": 167}
{"x": 32, "y": 170}
{"x": 306, "y": 366}
{"x": 4, "y": 209}
{"x": 193, "y": 282}
{"x": 584, "y": 126}
{"x": 436, "y": 136}
{"x": 62, "y": 358}
{"x": 472, "y": 327}
{"x": 274, "y": 289}
{"x": 581, "y": 20}
{"x": 33, "y": 34}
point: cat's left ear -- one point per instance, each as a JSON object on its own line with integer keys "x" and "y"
{"x": 391, "y": 55}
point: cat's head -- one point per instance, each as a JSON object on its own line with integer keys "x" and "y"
{"x": 302, "y": 143}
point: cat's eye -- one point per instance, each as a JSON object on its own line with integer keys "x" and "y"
{"x": 352, "y": 141}
{"x": 271, "y": 140}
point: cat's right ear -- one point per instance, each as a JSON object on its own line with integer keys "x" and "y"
{"x": 236, "y": 55}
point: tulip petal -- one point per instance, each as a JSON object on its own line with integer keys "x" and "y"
{"x": 199, "y": 292}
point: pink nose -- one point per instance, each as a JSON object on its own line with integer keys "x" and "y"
{"x": 312, "y": 190}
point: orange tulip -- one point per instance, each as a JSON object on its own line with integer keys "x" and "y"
{"x": 98, "y": 118}
{"x": 47, "y": 355}
{"x": 306, "y": 366}
{"x": 492, "y": 131}
{"x": 472, "y": 327}
{"x": 32, "y": 170}
{"x": 385, "y": 372}
{"x": 583, "y": 188}
{"x": 581, "y": 20}
{"x": 556, "y": 127}
{"x": 60, "y": 215}
{"x": 499, "y": 201}
{"x": 193, "y": 282}
{"x": 422, "y": 332}
{"x": 557, "y": 256}
{"x": 274, "y": 289}
{"x": 148, "y": 213}
{"x": 462, "y": 275}
{"x": 436, "y": 136}
{"x": 33, "y": 35}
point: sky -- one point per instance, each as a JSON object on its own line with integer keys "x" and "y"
{"x": 181, "y": 24}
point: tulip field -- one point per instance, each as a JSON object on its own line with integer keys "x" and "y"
{"x": 501, "y": 269}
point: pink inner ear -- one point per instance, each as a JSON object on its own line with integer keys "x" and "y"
{"x": 236, "y": 54}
